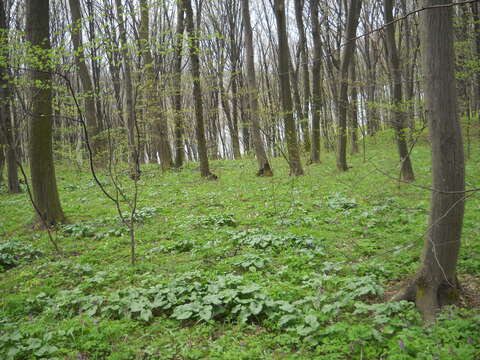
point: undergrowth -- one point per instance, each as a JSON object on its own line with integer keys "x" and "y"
{"x": 240, "y": 268}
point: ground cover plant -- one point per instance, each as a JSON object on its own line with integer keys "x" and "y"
{"x": 240, "y": 268}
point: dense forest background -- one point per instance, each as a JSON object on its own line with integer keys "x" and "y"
{"x": 252, "y": 179}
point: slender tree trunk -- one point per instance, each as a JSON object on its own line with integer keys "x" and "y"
{"x": 6, "y": 129}
{"x": 317, "y": 81}
{"x": 43, "y": 181}
{"x": 399, "y": 115}
{"x": 197, "y": 93}
{"x": 347, "y": 57}
{"x": 84, "y": 74}
{"x": 235, "y": 106}
{"x": 354, "y": 109}
{"x": 177, "y": 83}
{"x": 3, "y": 145}
{"x": 436, "y": 284}
{"x": 264, "y": 168}
{"x": 134, "y": 156}
{"x": 232, "y": 127}
{"x": 286, "y": 96}
{"x": 476, "y": 27}
{"x": 234, "y": 56}
{"x": 95, "y": 67}
{"x": 304, "y": 122}
{"x": 244, "y": 111}
{"x": 152, "y": 102}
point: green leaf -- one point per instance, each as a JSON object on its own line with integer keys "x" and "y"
{"x": 285, "y": 319}
{"x": 206, "y": 313}
{"x": 146, "y": 314}
{"x": 312, "y": 321}
{"x": 212, "y": 299}
{"x": 46, "y": 350}
{"x": 136, "y": 307}
{"x": 34, "y": 343}
{"x": 256, "y": 308}
{"x": 248, "y": 289}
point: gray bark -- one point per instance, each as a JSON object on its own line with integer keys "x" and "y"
{"x": 43, "y": 181}
{"x": 264, "y": 168}
{"x": 285, "y": 89}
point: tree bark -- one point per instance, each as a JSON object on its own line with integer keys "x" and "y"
{"x": 234, "y": 55}
{"x": 264, "y": 168}
{"x": 43, "y": 181}
{"x": 436, "y": 282}
{"x": 197, "y": 93}
{"x": 177, "y": 83}
{"x": 303, "y": 46}
{"x": 353, "y": 109}
{"x": 346, "y": 58}
{"x": 134, "y": 156}
{"x": 399, "y": 115}
{"x": 8, "y": 138}
{"x": 317, "y": 82}
{"x": 151, "y": 101}
{"x": 84, "y": 74}
{"x": 476, "y": 27}
{"x": 286, "y": 96}
{"x": 3, "y": 145}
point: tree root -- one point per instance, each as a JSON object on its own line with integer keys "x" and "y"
{"x": 429, "y": 296}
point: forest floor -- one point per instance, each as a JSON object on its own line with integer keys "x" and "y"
{"x": 239, "y": 268}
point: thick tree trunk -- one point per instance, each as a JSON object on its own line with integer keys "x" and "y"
{"x": 197, "y": 93}
{"x": 317, "y": 82}
{"x": 43, "y": 182}
{"x": 286, "y": 96}
{"x": 436, "y": 282}
{"x": 399, "y": 115}
{"x": 84, "y": 74}
{"x": 177, "y": 83}
{"x": 264, "y": 168}
{"x": 151, "y": 100}
{"x": 134, "y": 156}
{"x": 342, "y": 104}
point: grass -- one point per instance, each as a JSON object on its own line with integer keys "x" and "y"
{"x": 326, "y": 249}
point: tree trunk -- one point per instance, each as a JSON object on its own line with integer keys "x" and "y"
{"x": 476, "y": 27}
{"x": 353, "y": 109}
{"x": 177, "y": 83}
{"x": 3, "y": 145}
{"x": 8, "y": 137}
{"x": 286, "y": 96}
{"x": 303, "y": 46}
{"x": 197, "y": 93}
{"x": 43, "y": 182}
{"x": 436, "y": 282}
{"x": 84, "y": 74}
{"x": 153, "y": 110}
{"x": 232, "y": 127}
{"x": 134, "y": 156}
{"x": 347, "y": 56}
{"x": 317, "y": 82}
{"x": 399, "y": 115}
{"x": 264, "y": 168}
